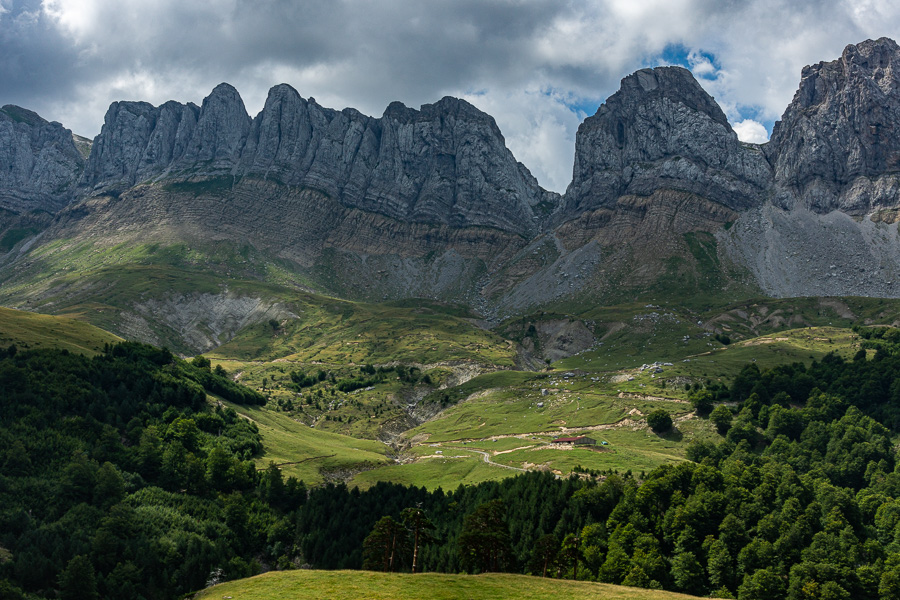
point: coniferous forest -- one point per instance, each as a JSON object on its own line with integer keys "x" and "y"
{"x": 119, "y": 479}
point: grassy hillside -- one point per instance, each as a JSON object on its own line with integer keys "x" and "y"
{"x": 316, "y": 585}
{"x": 628, "y": 335}
{"x": 497, "y": 416}
{"x": 306, "y": 453}
{"x": 441, "y": 343}
{"x": 32, "y": 330}
{"x": 153, "y": 291}
{"x": 141, "y": 284}
{"x": 495, "y": 424}
{"x": 333, "y": 331}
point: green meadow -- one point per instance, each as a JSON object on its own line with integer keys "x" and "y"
{"x": 33, "y": 330}
{"x": 513, "y": 415}
{"x": 307, "y": 453}
{"x": 337, "y": 585}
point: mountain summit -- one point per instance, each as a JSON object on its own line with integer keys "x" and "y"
{"x": 837, "y": 145}
{"x": 662, "y": 130}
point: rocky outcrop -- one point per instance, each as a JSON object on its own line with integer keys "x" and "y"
{"x": 661, "y": 130}
{"x": 39, "y": 163}
{"x": 837, "y": 146}
{"x": 444, "y": 164}
{"x": 139, "y": 141}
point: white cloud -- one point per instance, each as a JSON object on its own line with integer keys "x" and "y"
{"x": 751, "y": 131}
{"x": 701, "y": 66}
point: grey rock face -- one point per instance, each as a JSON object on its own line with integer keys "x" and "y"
{"x": 220, "y": 133}
{"x": 446, "y": 163}
{"x": 837, "y": 145}
{"x": 39, "y": 163}
{"x": 661, "y": 130}
{"x": 139, "y": 141}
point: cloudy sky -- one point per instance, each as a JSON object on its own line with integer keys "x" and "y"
{"x": 538, "y": 66}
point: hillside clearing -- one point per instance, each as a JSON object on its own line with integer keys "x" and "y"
{"x": 334, "y": 585}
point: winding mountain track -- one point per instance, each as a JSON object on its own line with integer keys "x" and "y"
{"x": 487, "y": 459}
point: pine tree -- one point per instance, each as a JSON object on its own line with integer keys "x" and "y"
{"x": 421, "y": 528}
{"x": 77, "y": 581}
{"x": 385, "y": 545}
{"x": 484, "y": 541}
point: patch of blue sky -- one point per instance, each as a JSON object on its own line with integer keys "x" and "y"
{"x": 703, "y": 64}
{"x": 757, "y": 114}
{"x": 582, "y": 106}
{"x": 672, "y": 54}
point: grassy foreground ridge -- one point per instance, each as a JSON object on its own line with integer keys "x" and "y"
{"x": 33, "y": 330}
{"x": 333, "y": 585}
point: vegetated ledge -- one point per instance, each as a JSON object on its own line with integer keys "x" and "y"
{"x": 315, "y": 585}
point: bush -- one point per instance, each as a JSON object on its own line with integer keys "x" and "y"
{"x": 659, "y": 421}
{"x": 702, "y": 401}
{"x": 721, "y": 418}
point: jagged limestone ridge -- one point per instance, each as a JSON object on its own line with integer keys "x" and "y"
{"x": 446, "y": 163}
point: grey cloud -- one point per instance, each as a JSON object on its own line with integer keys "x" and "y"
{"x": 35, "y": 59}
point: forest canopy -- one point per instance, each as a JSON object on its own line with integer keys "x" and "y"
{"x": 123, "y": 477}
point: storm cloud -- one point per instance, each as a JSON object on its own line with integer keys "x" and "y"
{"x": 539, "y": 67}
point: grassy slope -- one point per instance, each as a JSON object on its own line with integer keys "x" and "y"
{"x": 319, "y": 585}
{"x": 306, "y": 453}
{"x": 634, "y": 333}
{"x": 598, "y": 400}
{"x": 32, "y": 330}
{"x": 339, "y": 336}
{"x": 98, "y": 280}
{"x": 334, "y": 331}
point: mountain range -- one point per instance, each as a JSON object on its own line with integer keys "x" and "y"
{"x": 181, "y": 224}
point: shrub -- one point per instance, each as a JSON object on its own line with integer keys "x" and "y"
{"x": 659, "y": 421}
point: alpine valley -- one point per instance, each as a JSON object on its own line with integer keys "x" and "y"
{"x": 382, "y": 309}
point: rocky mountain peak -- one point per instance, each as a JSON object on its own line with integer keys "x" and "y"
{"x": 23, "y": 115}
{"x": 398, "y": 111}
{"x": 837, "y": 144}
{"x": 662, "y": 130}
{"x": 39, "y": 162}
{"x": 674, "y": 84}
{"x": 449, "y": 105}
{"x": 221, "y": 131}
{"x": 446, "y": 163}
